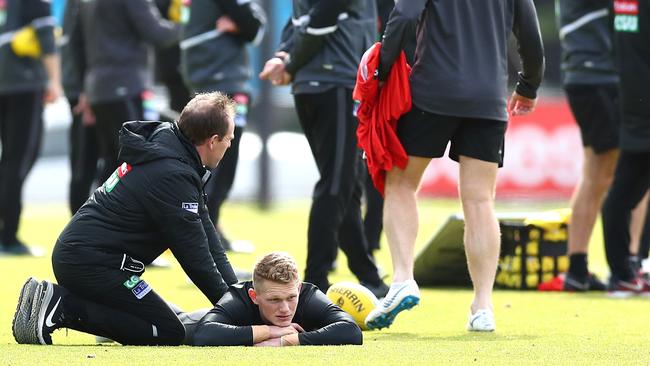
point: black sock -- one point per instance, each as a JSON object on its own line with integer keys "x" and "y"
{"x": 635, "y": 263}
{"x": 578, "y": 266}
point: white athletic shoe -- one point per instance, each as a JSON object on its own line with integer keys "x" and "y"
{"x": 481, "y": 321}
{"x": 401, "y": 296}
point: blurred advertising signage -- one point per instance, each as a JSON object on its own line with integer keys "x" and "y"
{"x": 543, "y": 157}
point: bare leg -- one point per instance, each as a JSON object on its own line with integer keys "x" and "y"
{"x": 597, "y": 175}
{"x": 401, "y": 215}
{"x": 477, "y": 184}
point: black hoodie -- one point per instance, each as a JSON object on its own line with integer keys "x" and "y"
{"x": 154, "y": 201}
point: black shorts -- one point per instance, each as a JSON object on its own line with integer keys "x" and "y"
{"x": 426, "y": 135}
{"x": 595, "y": 109}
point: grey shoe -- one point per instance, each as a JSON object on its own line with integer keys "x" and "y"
{"x": 47, "y": 315}
{"x": 23, "y": 325}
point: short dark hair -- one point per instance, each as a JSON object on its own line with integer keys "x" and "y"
{"x": 205, "y": 115}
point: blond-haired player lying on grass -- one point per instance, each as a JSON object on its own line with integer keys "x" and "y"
{"x": 276, "y": 309}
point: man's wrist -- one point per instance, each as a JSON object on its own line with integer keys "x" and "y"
{"x": 289, "y": 340}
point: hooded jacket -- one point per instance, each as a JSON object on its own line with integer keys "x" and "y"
{"x": 153, "y": 202}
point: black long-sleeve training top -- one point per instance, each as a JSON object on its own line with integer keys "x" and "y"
{"x": 230, "y": 322}
{"x": 460, "y": 64}
{"x": 154, "y": 203}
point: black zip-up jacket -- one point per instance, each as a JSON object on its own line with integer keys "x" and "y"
{"x": 156, "y": 204}
{"x": 460, "y": 64}
{"x": 71, "y": 69}
{"x": 632, "y": 36}
{"x": 587, "y": 42}
{"x": 114, "y": 35}
{"x": 326, "y": 39}
{"x": 230, "y": 322}
{"x": 24, "y": 74}
{"x": 211, "y": 61}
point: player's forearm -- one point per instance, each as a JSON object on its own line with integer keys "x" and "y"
{"x": 53, "y": 68}
{"x": 290, "y": 340}
{"x": 260, "y": 333}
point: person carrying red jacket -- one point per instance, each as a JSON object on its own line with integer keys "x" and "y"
{"x": 378, "y": 113}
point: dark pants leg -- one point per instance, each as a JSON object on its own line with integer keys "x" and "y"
{"x": 109, "y": 119}
{"x": 99, "y": 303}
{"x": 373, "y": 220}
{"x": 179, "y": 94}
{"x": 335, "y": 217}
{"x": 644, "y": 248}
{"x": 83, "y": 160}
{"x": 21, "y": 127}
{"x": 223, "y": 176}
{"x": 631, "y": 181}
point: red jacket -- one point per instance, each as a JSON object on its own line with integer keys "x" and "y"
{"x": 378, "y": 114}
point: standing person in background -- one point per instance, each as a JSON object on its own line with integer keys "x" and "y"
{"x": 168, "y": 61}
{"x": 458, "y": 87}
{"x": 319, "y": 54}
{"x": 632, "y": 176}
{"x": 83, "y": 142}
{"x": 112, "y": 48}
{"x": 591, "y": 84}
{"x": 218, "y": 61}
{"x": 29, "y": 76}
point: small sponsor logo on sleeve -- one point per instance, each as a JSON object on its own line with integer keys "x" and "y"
{"x": 626, "y": 18}
{"x": 191, "y": 207}
{"x": 141, "y": 290}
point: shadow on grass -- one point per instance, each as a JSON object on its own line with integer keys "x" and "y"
{"x": 481, "y": 337}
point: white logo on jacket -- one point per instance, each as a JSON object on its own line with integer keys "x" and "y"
{"x": 191, "y": 207}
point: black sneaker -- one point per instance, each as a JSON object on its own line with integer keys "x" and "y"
{"x": 18, "y": 248}
{"x": 21, "y": 323}
{"x": 624, "y": 289}
{"x": 379, "y": 289}
{"x": 47, "y": 310}
{"x": 575, "y": 284}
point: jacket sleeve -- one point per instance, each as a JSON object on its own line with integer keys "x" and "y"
{"x": 400, "y": 30}
{"x": 219, "y": 326}
{"x": 39, "y": 16}
{"x": 216, "y": 248}
{"x": 149, "y": 24}
{"x": 309, "y": 38}
{"x": 249, "y": 17}
{"x": 332, "y": 326}
{"x": 171, "y": 202}
{"x": 530, "y": 48}
{"x": 73, "y": 51}
{"x": 286, "y": 38}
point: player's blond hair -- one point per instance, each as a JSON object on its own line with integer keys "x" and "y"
{"x": 277, "y": 267}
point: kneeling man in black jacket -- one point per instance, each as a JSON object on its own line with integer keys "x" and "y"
{"x": 276, "y": 309}
{"x": 154, "y": 201}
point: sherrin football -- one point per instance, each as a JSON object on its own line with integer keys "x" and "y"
{"x": 354, "y": 299}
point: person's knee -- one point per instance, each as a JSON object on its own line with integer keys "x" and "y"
{"x": 171, "y": 334}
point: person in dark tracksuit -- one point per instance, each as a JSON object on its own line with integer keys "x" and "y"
{"x": 168, "y": 60}
{"x": 458, "y": 88}
{"x": 114, "y": 36}
{"x": 321, "y": 47}
{"x": 29, "y": 74}
{"x": 632, "y": 176}
{"x": 218, "y": 61}
{"x": 83, "y": 142}
{"x": 275, "y": 309}
{"x": 152, "y": 202}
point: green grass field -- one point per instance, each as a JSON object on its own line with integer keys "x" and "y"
{"x": 532, "y": 328}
